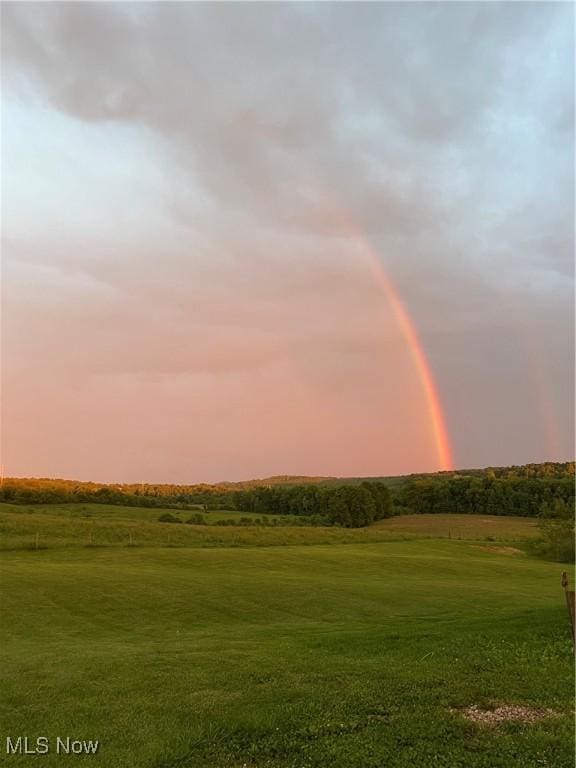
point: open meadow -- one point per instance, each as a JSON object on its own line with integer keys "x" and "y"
{"x": 92, "y": 525}
{"x": 341, "y": 648}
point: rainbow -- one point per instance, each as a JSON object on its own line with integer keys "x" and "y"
{"x": 418, "y": 356}
{"x": 346, "y": 226}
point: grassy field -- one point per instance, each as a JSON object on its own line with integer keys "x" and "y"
{"x": 347, "y": 653}
{"x": 115, "y": 512}
{"x": 96, "y": 525}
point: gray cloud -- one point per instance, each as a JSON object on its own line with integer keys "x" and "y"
{"x": 398, "y": 114}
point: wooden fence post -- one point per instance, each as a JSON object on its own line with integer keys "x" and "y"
{"x": 570, "y": 605}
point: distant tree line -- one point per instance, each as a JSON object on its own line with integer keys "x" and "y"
{"x": 353, "y": 502}
{"x": 549, "y": 469}
{"x": 489, "y": 495}
{"x": 40, "y": 491}
{"x": 351, "y": 506}
{"x": 288, "y": 521}
{"x": 345, "y": 505}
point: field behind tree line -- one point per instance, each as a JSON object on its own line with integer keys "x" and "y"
{"x": 92, "y": 525}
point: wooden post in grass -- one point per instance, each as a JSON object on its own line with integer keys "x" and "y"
{"x": 570, "y": 605}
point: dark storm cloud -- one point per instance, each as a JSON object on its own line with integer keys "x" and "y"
{"x": 277, "y": 108}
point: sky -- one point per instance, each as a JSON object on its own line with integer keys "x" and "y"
{"x": 251, "y": 239}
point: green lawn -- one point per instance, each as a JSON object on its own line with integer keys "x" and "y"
{"x": 335, "y": 655}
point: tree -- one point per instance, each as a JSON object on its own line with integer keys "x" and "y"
{"x": 557, "y": 529}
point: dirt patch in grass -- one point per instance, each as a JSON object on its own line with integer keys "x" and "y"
{"x": 502, "y": 550}
{"x": 511, "y": 713}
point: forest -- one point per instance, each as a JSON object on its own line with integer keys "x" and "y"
{"x": 350, "y": 502}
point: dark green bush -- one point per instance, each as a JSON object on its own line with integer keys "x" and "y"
{"x": 168, "y": 517}
{"x": 196, "y": 519}
{"x": 557, "y": 532}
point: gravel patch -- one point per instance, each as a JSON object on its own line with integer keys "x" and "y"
{"x": 502, "y": 550}
{"x": 505, "y": 714}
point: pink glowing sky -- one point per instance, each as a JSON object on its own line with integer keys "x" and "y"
{"x": 181, "y": 302}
